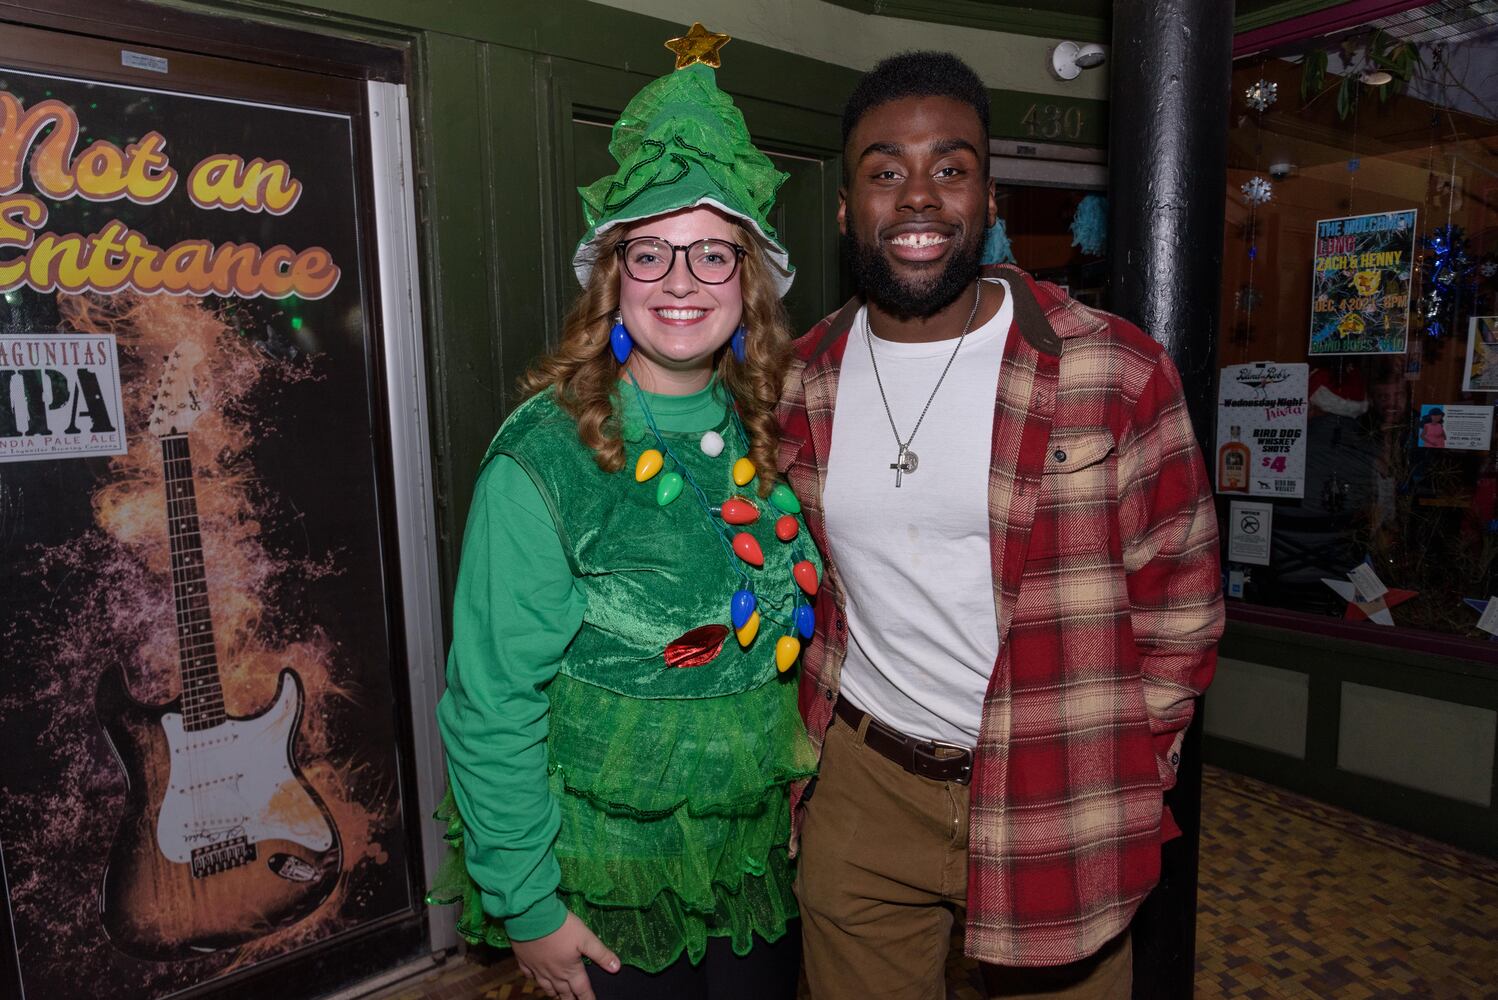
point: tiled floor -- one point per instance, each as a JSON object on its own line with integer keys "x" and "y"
{"x": 1297, "y": 900}
{"x": 1301, "y": 900}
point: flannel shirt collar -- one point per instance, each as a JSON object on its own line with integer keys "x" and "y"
{"x": 1032, "y": 306}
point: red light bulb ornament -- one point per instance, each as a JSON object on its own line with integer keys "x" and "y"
{"x": 746, "y": 547}
{"x": 806, "y": 576}
{"x": 737, "y": 511}
{"x": 786, "y": 528}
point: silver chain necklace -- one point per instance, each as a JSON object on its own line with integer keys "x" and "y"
{"x": 907, "y": 461}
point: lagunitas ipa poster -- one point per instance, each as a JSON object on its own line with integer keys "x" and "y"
{"x": 198, "y": 747}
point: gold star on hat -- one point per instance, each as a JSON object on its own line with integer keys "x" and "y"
{"x": 698, "y": 46}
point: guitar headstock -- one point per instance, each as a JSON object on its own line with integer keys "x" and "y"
{"x": 176, "y": 404}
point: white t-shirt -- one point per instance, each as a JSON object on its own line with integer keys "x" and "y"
{"x": 914, "y": 560}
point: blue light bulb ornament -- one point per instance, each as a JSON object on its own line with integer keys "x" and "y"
{"x": 742, "y": 607}
{"x": 737, "y": 344}
{"x": 621, "y": 342}
{"x": 806, "y": 621}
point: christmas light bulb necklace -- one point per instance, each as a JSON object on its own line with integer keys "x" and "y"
{"x": 746, "y": 604}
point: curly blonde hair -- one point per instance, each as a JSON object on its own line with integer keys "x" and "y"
{"x": 585, "y": 376}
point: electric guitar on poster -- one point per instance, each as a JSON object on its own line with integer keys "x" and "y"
{"x": 223, "y": 839}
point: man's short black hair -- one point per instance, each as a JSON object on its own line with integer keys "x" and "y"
{"x": 916, "y": 74}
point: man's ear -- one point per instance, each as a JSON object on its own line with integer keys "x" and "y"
{"x": 993, "y": 201}
{"x": 842, "y": 209}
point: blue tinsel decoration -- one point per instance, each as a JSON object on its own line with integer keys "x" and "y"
{"x": 996, "y": 248}
{"x": 1448, "y": 275}
{"x": 1089, "y": 227}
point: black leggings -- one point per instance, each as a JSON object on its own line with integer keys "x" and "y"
{"x": 769, "y": 972}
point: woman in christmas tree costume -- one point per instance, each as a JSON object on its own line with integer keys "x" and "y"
{"x": 620, "y": 717}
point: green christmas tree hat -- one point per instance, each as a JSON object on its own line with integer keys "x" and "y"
{"x": 681, "y": 143}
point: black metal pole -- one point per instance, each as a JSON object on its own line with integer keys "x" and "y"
{"x": 1167, "y": 162}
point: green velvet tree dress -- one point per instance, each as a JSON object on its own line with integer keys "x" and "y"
{"x": 671, "y": 747}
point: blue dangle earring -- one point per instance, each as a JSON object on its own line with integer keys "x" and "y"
{"x": 621, "y": 341}
{"x": 737, "y": 344}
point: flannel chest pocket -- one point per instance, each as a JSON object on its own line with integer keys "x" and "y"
{"x": 1077, "y": 485}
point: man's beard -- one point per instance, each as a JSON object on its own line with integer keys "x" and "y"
{"x": 876, "y": 279}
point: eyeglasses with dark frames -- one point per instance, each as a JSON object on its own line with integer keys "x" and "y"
{"x": 650, "y": 258}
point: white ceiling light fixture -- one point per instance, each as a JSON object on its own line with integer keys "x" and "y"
{"x": 1377, "y": 77}
{"x": 1069, "y": 59}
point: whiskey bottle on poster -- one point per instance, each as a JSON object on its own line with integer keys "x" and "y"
{"x": 1232, "y": 464}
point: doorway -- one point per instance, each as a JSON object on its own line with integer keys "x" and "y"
{"x": 1040, "y": 187}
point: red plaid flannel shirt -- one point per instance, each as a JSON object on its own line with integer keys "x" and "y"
{"x": 1108, "y": 595}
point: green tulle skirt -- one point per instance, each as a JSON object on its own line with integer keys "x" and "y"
{"x": 675, "y": 820}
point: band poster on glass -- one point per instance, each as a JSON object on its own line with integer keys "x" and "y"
{"x": 1360, "y": 284}
{"x": 198, "y": 746}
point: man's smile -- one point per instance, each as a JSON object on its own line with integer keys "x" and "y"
{"x": 918, "y": 242}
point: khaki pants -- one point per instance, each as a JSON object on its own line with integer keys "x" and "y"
{"x": 883, "y": 867}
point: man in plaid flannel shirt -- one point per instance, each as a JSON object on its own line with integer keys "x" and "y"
{"x": 1013, "y": 626}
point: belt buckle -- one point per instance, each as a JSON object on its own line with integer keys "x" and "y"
{"x": 965, "y": 755}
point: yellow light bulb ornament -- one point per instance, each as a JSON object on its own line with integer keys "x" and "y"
{"x": 743, "y": 471}
{"x": 650, "y": 462}
{"x": 749, "y": 630}
{"x": 787, "y": 648}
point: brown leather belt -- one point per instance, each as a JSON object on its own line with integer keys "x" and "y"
{"x": 925, "y": 758}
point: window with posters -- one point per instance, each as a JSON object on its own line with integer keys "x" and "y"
{"x": 1359, "y": 351}
{"x": 202, "y": 739}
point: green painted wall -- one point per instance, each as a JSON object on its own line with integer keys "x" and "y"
{"x": 845, "y": 36}
{"x": 511, "y": 103}
{"x": 1079, "y": 20}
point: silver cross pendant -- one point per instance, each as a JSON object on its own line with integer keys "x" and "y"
{"x": 906, "y": 463}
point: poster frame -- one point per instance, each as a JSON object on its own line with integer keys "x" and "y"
{"x": 408, "y": 416}
{"x": 1472, "y": 341}
{"x": 1414, "y": 246}
{"x": 381, "y": 121}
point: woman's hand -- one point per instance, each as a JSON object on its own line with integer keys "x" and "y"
{"x": 555, "y": 961}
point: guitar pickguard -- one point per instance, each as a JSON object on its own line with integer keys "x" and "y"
{"x": 233, "y": 782}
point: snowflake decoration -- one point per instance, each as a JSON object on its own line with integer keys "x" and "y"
{"x": 1449, "y": 273}
{"x": 1257, "y": 190}
{"x": 1261, "y": 94}
{"x": 1489, "y": 268}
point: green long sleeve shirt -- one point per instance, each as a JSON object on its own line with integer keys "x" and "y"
{"x": 516, "y": 608}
